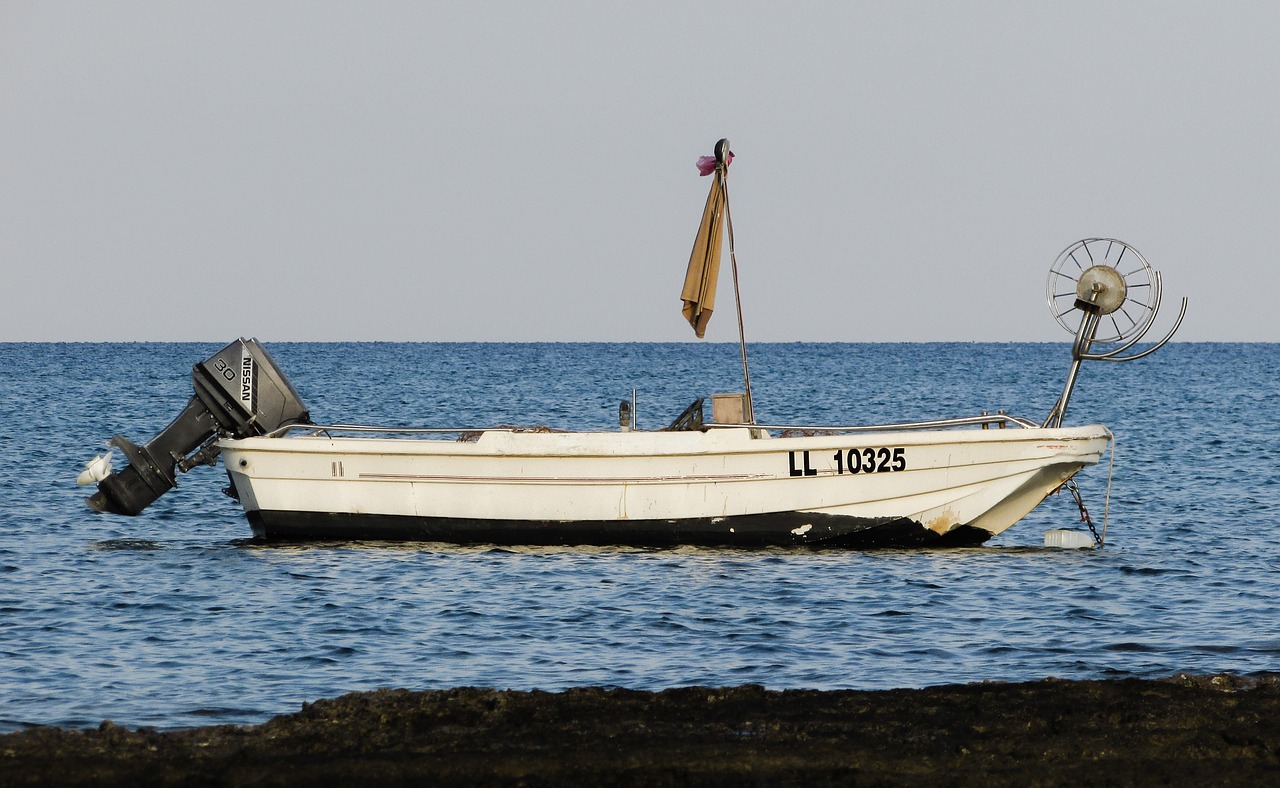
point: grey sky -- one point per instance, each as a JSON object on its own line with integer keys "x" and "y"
{"x": 525, "y": 171}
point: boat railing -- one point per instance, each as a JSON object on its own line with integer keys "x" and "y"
{"x": 316, "y": 429}
{"x": 985, "y": 421}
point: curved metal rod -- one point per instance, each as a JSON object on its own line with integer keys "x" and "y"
{"x": 1145, "y": 326}
{"x": 1142, "y": 328}
{"x": 1111, "y": 356}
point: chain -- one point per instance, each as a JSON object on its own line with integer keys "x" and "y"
{"x": 1070, "y": 486}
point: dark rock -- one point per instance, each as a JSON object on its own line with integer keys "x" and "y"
{"x": 1187, "y": 730}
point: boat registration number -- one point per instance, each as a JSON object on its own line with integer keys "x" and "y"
{"x": 869, "y": 460}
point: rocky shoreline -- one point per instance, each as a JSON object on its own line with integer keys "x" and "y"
{"x": 1184, "y": 730}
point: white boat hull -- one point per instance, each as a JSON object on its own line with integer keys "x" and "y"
{"x": 719, "y": 487}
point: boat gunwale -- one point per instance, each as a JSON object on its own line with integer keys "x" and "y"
{"x": 648, "y": 444}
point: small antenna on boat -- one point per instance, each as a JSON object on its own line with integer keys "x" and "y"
{"x": 1116, "y": 292}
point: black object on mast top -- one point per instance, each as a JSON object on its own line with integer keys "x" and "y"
{"x": 722, "y": 151}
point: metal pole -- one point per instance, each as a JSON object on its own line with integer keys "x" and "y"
{"x": 1084, "y": 338}
{"x": 721, "y": 171}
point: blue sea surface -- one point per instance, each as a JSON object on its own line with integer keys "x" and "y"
{"x": 178, "y": 618}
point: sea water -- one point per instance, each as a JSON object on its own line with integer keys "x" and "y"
{"x": 177, "y": 618}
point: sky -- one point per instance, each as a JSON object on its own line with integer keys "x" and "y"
{"x": 499, "y": 171}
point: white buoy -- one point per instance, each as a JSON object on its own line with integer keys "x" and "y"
{"x": 95, "y": 470}
{"x": 1066, "y": 538}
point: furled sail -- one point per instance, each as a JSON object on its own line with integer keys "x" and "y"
{"x": 699, "y": 294}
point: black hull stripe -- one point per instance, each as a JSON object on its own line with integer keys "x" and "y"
{"x": 783, "y": 529}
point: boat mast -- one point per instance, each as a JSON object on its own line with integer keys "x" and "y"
{"x": 722, "y": 171}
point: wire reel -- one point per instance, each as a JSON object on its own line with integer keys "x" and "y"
{"x": 1112, "y": 294}
{"x": 1110, "y": 275}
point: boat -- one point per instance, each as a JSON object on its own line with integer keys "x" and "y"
{"x": 717, "y": 479}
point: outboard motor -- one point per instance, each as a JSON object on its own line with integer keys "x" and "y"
{"x": 239, "y": 392}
